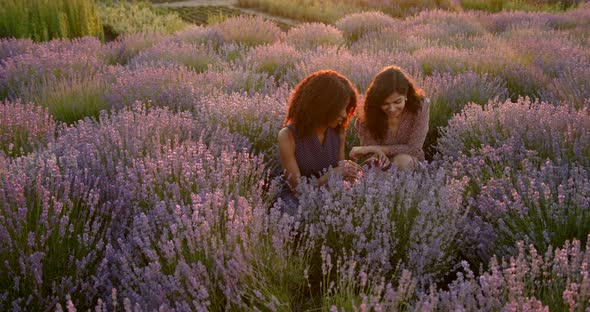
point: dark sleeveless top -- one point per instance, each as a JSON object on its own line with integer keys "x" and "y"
{"x": 313, "y": 157}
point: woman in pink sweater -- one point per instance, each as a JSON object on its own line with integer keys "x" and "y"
{"x": 393, "y": 123}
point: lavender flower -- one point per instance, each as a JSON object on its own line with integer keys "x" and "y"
{"x": 277, "y": 60}
{"x": 309, "y": 36}
{"x": 353, "y": 26}
{"x": 24, "y": 128}
{"x": 249, "y": 31}
{"x": 559, "y": 133}
{"x": 196, "y": 57}
{"x": 530, "y": 281}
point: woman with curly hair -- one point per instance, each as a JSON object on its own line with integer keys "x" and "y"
{"x": 313, "y": 138}
{"x": 394, "y": 121}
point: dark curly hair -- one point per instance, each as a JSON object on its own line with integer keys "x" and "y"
{"x": 318, "y": 99}
{"x": 389, "y": 80}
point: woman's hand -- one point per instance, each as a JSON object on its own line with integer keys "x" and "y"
{"x": 348, "y": 169}
{"x": 359, "y": 151}
{"x": 379, "y": 160}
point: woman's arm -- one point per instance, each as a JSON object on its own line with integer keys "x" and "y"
{"x": 342, "y": 150}
{"x": 347, "y": 168}
{"x": 417, "y": 136}
{"x": 287, "y": 157}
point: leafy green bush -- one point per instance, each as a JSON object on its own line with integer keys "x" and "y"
{"x": 43, "y": 20}
{"x": 127, "y": 18}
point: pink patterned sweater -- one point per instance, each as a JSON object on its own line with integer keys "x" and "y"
{"x": 410, "y": 135}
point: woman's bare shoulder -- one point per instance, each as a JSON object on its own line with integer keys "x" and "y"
{"x": 285, "y": 135}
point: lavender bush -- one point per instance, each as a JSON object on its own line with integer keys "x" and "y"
{"x": 75, "y": 98}
{"x": 277, "y": 60}
{"x": 558, "y": 133}
{"x": 447, "y": 24}
{"x": 397, "y": 40}
{"x": 449, "y": 94}
{"x": 196, "y": 209}
{"x": 24, "y": 128}
{"x": 126, "y": 46}
{"x": 54, "y": 227}
{"x": 171, "y": 86}
{"x": 196, "y": 57}
{"x": 557, "y": 280}
{"x": 236, "y": 79}
{"x": 384, "y": 222}
{"x": 12, "y": 47}
{"x": 572, "y": 87}
{"x": 250, "y": 31}
{"x": 353, "y": 26}
{"x": 257, "y": 117}
{"x": 28, "y": 71}
{"x": 537, "y": 49}
{"x": 309, "y": 36}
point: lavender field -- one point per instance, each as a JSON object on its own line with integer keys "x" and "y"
{"x": 140, "y": 174}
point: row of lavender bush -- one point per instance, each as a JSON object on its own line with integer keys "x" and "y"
{"x": 163, "y": 199}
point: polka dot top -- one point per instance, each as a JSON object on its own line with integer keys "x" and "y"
{"x": 312, "y": 156}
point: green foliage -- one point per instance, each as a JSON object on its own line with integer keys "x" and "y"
{"x": 209, "y": 14}
{"x": 307, "y": 10}
{"x": 43, "y": 20}
{"x": 70, "y": 100}
{"x": 127, "y": 18}
{"x": 521, "y": 5}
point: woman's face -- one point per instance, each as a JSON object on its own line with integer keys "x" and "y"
{"x": 393, "y": 105}
{"x": 342, "y": 115}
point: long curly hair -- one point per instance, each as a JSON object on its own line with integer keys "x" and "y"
{"x": 389, "y": 80}
{"x": 318, "y": 99}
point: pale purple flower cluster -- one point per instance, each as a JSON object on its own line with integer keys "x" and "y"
{"x": 450, "y": 93}
{"x": 192, "y": 213}
{"x": 258, "y": 117}
{"x": 277, "y": 60}
{"x": 197, "y": 35}
{"x": 53, "y": 229}
{"x": 384, "y": 222}
{"x": 572, "y": 87}
{"x": 445, "y": 24}
{"x": 557, "y": 280}
{"x": 12, "y": 47}
{"x": 55, "y": 60}
{"x": 397, "y": 40}
{"x": 126, "y": 46}
{"x": 197, "y": 57}
{"x": 309, "y": 36}
{"x": 171, "y": 86}
{"x": 250, "y": 31}
{"x": 24, "y": 128}
{"x": 559, "y": 133}
{"x": 353, "y": 26}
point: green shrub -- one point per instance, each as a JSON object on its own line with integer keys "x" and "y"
{"x": 129, "y": 18}
{"x": 43, "y": 20}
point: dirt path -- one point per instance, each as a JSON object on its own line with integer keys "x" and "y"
{"x": 229, "y": 3}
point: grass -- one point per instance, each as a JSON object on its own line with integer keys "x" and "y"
{"x": 70, "y": 100}
{"x": 321, "y": 11}
{"x": 212, "y": 14}
{"x": 123, "y": 17}
{"x": 43, "y": 20}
